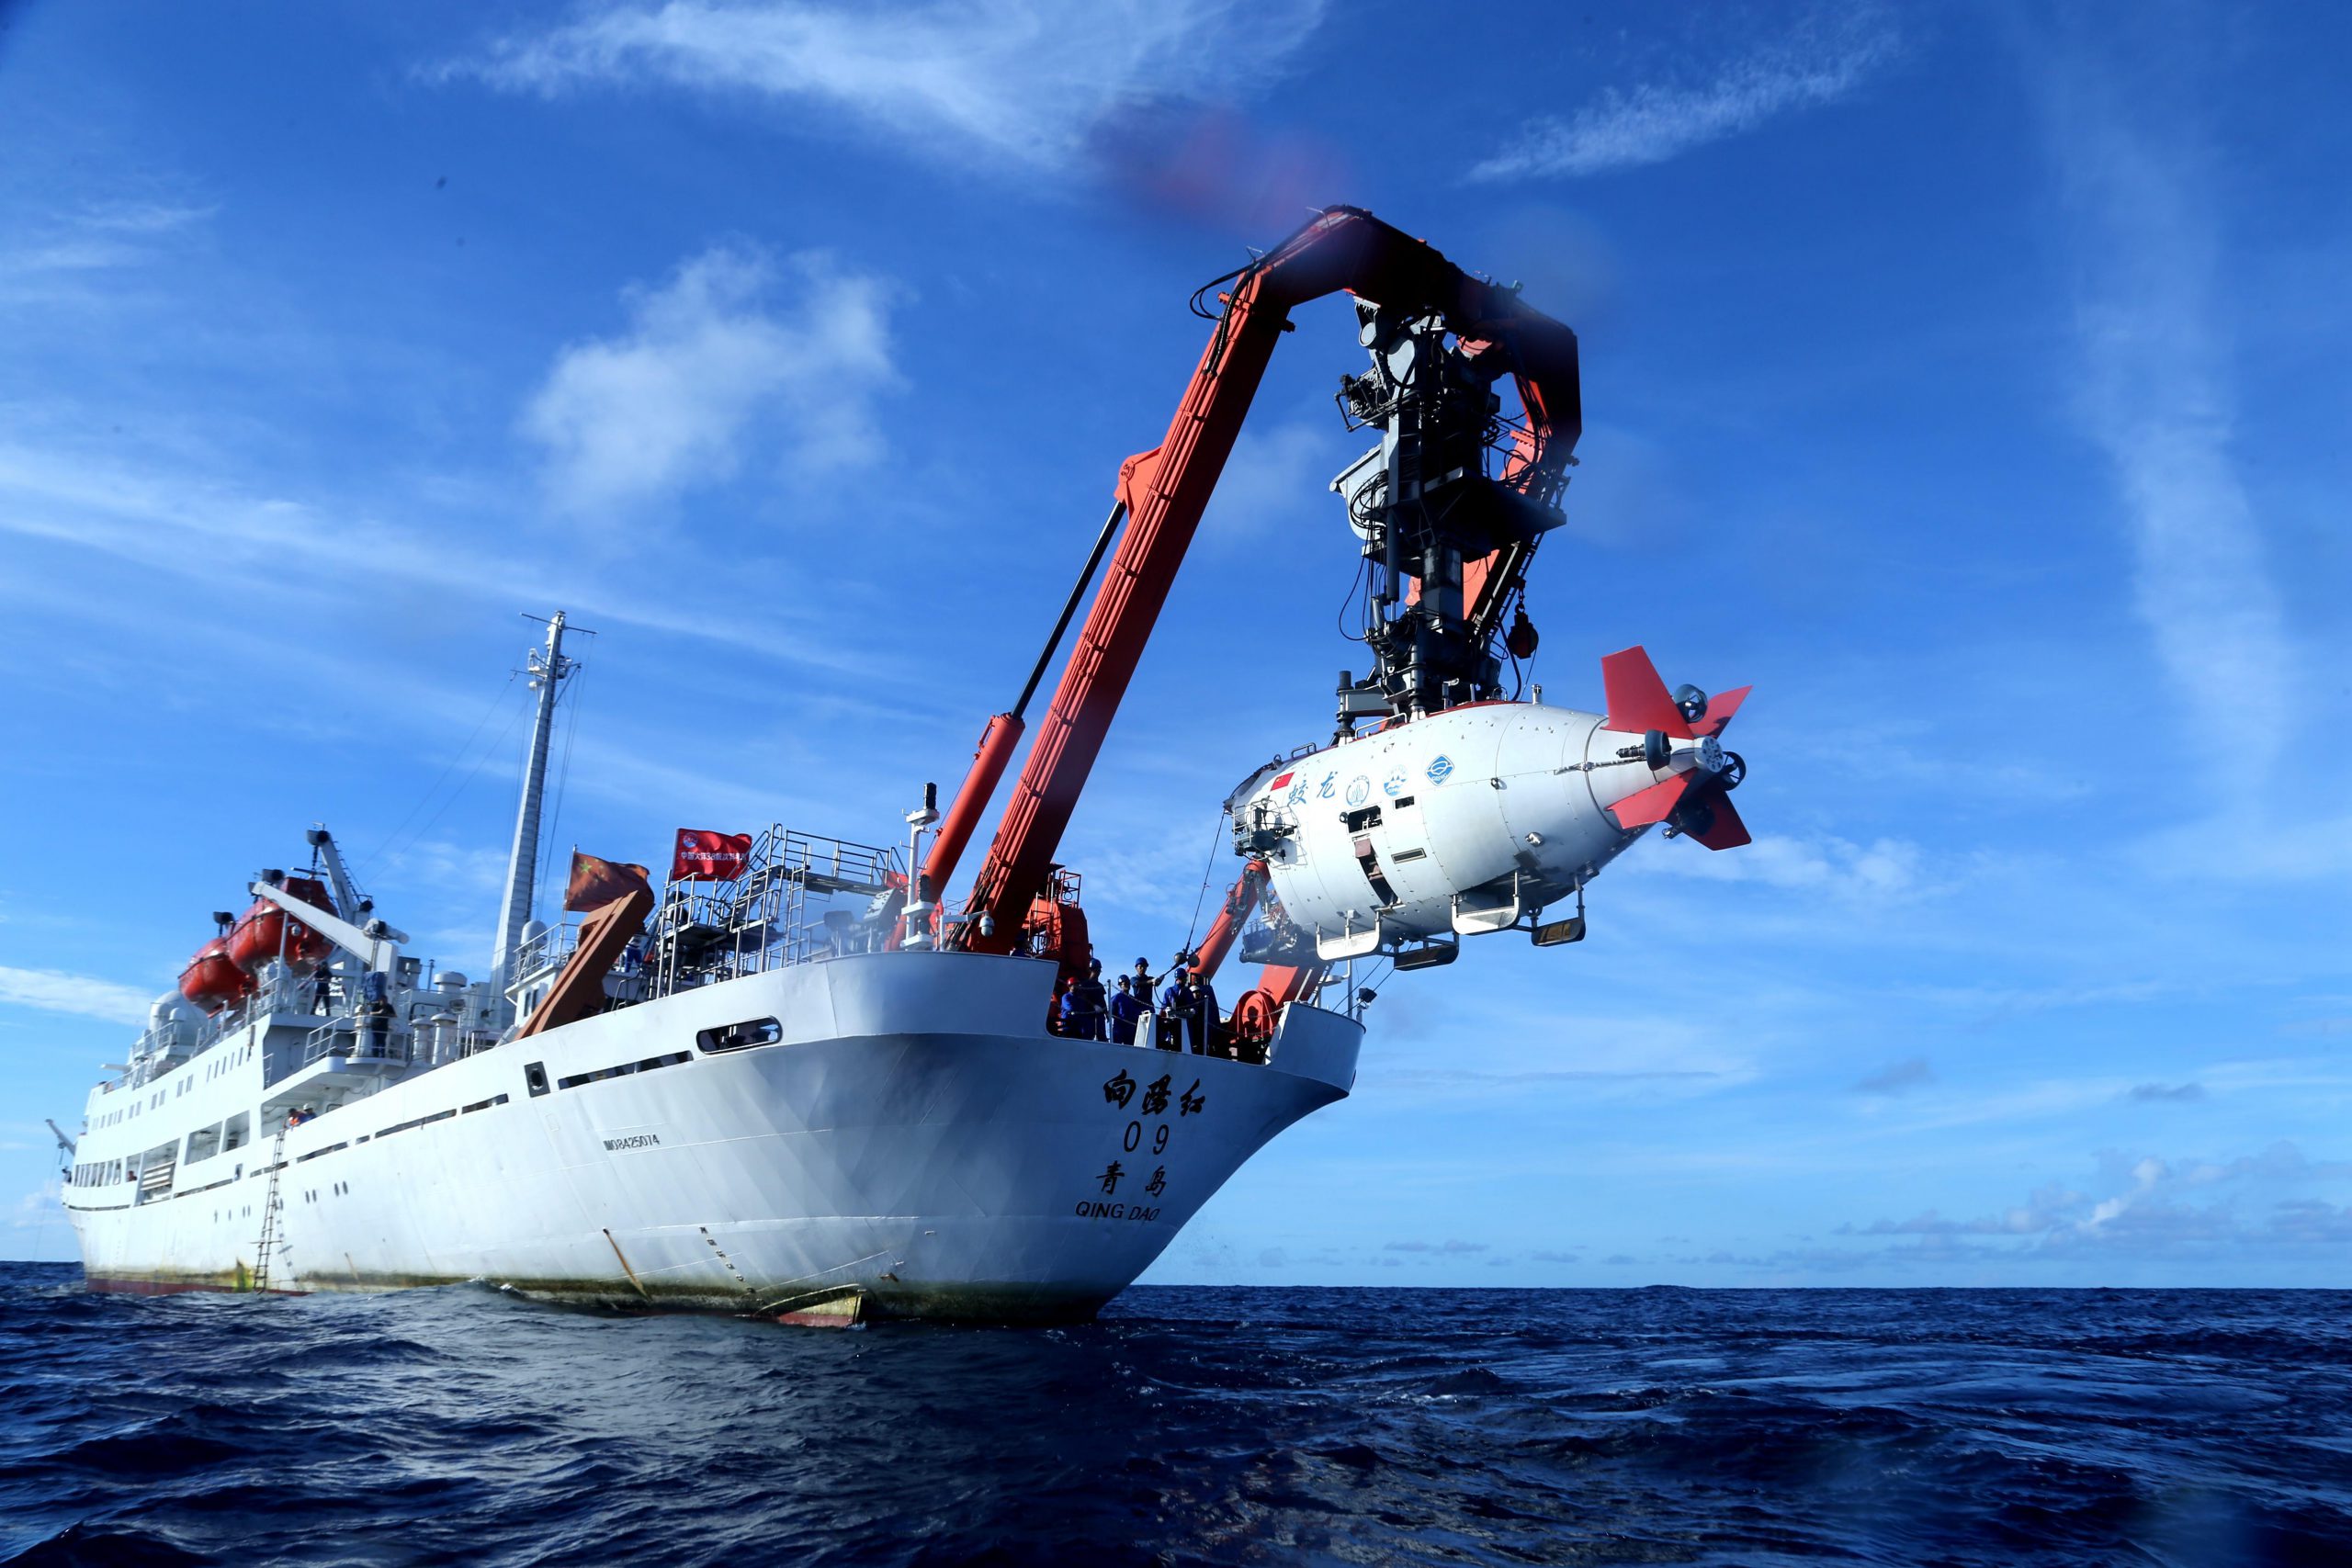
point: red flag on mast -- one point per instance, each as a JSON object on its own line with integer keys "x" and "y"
{"x": 596, "y": 882}
{"x": 709, "y": 857}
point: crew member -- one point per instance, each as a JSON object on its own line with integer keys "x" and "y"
{"x": 375, "y": 1015}
{"x": 1204, "y": 1018}
{"x": 1083, "y": 1005}
{"x": 1126, "y": 1012}
{"x": 1178, "y": 1005}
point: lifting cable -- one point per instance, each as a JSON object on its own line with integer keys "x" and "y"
{"x": 1216, "y": 832}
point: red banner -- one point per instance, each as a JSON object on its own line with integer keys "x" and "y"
{"x": 709, "y": 857}
{"x": 596, "y": 882}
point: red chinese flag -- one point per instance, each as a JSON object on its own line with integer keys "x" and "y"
{"x": 709, "y": 857}
{"x": 596, "y": 882}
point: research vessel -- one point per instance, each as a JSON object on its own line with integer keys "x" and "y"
{"x": 794, "y": 1078}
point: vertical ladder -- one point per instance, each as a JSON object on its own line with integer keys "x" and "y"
{"x": 269, "y": 1214}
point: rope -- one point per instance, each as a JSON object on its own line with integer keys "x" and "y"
{"x": 563, "y": 777}
{"x": 1216, "y": 830}
{"x": 459, "y": 756}
{"x": 805, "y": 1278}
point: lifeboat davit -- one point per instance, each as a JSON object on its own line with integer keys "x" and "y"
{"x": 212, "y": 981}
{"x": 266, "y": 932}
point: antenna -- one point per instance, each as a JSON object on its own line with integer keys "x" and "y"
{"x": 548, "y": 668}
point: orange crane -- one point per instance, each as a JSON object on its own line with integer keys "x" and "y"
{"x": 1162, "y": 494}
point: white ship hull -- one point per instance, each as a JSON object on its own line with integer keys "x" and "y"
{"x": 912, "y": 1134}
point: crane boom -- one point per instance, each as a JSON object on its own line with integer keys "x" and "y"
{"x": 1165, "y": 491}
{"x": 375, "y": 944}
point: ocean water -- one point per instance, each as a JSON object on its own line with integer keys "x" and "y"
{"x": 465, "y": 1425}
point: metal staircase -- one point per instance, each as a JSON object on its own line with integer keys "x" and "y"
{"x": 269, "y": 1214}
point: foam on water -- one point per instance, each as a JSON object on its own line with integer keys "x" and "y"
{"x": 1228, "y": 1426}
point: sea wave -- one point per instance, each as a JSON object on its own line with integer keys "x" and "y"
{"x": 467, "y": 1426}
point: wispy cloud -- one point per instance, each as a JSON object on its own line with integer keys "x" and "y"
{"x": 452, "y": 870}
{"x": 1455, "y": 1248}
{"x": 1277, "y": 474}
{"x": 2154, "y": 1206}
{"x": 52, "y": 262}
{"x": 36, "y": 1209}
{"x": 1012, "y": 84}
{"x": 147, "y": 217}
{"x": 1649, "y": 123}
{"x": 670, "y": 404}
{"x": 229, "y": 537}
{"x": 2141, "y": 186}
{"x": 1882, "y": 870}
{"x": 53, "y": 990}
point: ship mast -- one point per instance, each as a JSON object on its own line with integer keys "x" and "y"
{"x": 549, "y": 669}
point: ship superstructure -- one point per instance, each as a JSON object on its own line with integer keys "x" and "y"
{"x": 797, "y": 1079}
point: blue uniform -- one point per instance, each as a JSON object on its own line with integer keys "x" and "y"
{"x": 1182, "y": 1006}
{"x": 1204, "y": 1021}
{"x": 1127, "y": 1010}
{"x": 1082, "y": 1011}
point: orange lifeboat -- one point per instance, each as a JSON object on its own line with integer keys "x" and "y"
{"x": 266, "y": 932}
{"x": 212, "y": 981}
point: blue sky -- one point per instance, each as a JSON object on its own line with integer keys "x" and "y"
{"x": 1969, "y": 379}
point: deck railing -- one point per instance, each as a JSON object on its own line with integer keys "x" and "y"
{"x": 800, "y": 897}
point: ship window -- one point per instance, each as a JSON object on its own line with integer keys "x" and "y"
{"x": 738, "y": 1036}
{"x": 235, "y": 1134}
{"x": 203, "y": 1144}
{"x": 647, "y": 1066}
{"x": 535, "y": 1077}
{"x": 486, "y": 1104}
{"x": 412, "y": 1121}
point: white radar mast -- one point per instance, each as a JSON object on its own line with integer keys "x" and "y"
{"x": 548, "y": 669}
